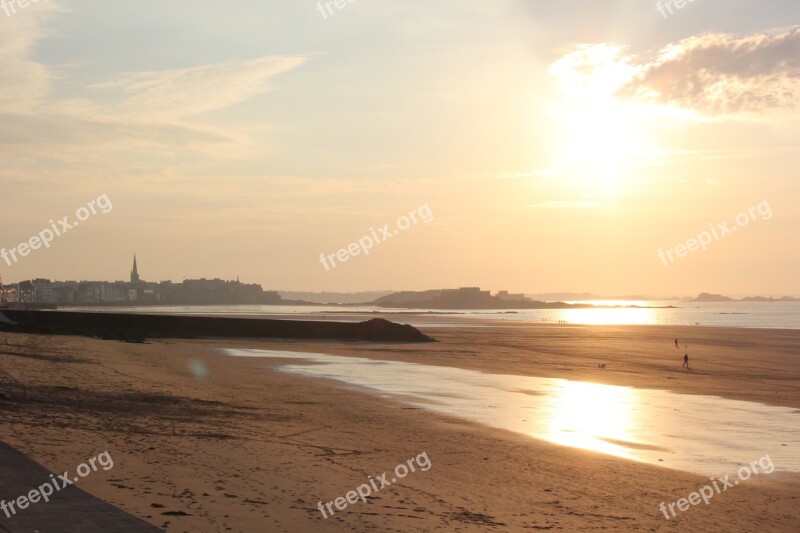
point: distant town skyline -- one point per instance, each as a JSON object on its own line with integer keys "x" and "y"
{"x": 136, "y": 291}
{"x": 136, "y": 280}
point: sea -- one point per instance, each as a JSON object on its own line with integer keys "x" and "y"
{"x": 778, "y": 315}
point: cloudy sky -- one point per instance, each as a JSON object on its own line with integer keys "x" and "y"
{"x": 560, "y": 144}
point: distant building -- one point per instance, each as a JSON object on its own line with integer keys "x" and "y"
{"x": 504, "y": 295}
{"x": 135, "y": 272}
{"x": 113, "y": 292}
{"x": 43, "y": 291}
{"x": 65, "y": 293}
{"x": 27, "y": 292}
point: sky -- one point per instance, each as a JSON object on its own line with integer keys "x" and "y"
{"x": 548, "y": 145}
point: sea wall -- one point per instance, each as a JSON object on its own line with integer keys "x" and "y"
{"x": 137, "y": 327}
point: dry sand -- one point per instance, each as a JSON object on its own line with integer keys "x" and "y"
{"x": 249, "y": 449}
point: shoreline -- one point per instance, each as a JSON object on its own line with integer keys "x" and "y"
{"x": 243, "y": 447}
{"x": 723, "y": 364}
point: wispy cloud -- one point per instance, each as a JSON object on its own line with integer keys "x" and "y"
{"x": 25, "y": 82}
{"x": 126, "y": 122}
{"x": 151, "y": 105}
{"x": 179, "y": 93}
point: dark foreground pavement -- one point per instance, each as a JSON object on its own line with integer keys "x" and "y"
{"x": 69, "y": 510}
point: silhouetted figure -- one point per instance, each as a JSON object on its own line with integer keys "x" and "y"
{"x": 686, "y": 361}
{"x": 676, "y": 343}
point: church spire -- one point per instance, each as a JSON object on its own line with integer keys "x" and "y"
{"x": 135, "y": 271}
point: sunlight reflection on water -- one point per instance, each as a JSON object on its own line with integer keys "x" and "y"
{"x": 702, "y": 434}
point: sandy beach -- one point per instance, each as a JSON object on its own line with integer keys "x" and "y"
{"x": 206, "y": 442}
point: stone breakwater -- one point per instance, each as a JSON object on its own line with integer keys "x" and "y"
{"x": 138, "y": 327}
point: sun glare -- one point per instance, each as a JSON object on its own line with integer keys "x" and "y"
{"x": 598, "y": 137}
{"x": 591, "y": 416}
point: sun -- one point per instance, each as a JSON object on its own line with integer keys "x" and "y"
{"x": 598, "y": 145}
{"x": 598, "y": 139}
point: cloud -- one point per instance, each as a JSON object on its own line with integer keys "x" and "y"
{"x": 710, "y": 74}
{"x": 25, "y": 82}
{"x": 720, "y": 73}
{"x": 150, "y": 106}
{"x": 175, "y": 94}
{"x": 49, "y": 129}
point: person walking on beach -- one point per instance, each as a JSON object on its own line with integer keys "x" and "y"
{"x": 686, "y": 361}
{"x": 676, "y": 343}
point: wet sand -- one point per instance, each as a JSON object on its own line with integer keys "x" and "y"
{"x": 249, "y": 449}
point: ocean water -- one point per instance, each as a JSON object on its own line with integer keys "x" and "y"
{"x": 702, "y": 434}
{"x": 784, "y": 315}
